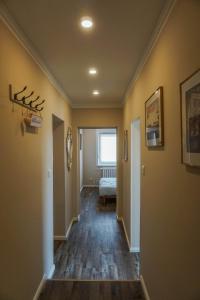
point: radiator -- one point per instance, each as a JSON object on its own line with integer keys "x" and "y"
{"x": 108, "y": 172}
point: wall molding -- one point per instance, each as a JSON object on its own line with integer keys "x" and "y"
{"x": 25, "y": 42}
{"x": 126, "y": 235}
{"x": 76, "y": 219}
{"x": 40, "y": 287}
{"x": 162, "y": 22}
{"x": 98, "y": 105}
{"x": 50, "y": 275}
{"x": 134, "y": 249}
{"x": 131, "y": 249}
{"x": 68, "y": 230}
{"x": 144, "y": 288}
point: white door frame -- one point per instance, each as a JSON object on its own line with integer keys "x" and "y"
{"x": 135, "y": 184}
{"x": 78, "y": 165}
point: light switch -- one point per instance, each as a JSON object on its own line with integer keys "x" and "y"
{"x": 49, "y": 173}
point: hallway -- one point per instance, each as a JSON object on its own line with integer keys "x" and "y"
{"x": 96, "y": 247}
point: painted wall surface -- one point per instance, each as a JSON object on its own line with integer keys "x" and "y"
{"x": 95, "y": 118}
{"x": 90, "y": 171}
{"x": 26, "y": 214}
{"x": 58, "y": 178}
{"x": 170, "y": 223}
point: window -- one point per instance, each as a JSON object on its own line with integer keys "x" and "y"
{"x": 106, "y": 155}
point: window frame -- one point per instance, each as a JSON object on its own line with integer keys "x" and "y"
{"x": 98, "y": 152}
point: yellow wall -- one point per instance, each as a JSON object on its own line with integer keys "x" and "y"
{"x": 170, "y": 200}
{"x": 26, "y": 214}
{"x": 95, "y": 118}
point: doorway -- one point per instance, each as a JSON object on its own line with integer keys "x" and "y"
{"x": 58, "y": 181}
{"x": 135, "y": 184}
{"x": 98, "y": 163}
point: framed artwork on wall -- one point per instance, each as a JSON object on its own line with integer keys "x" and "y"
{"x": 69, "y": 148}
{"x": 190, "y": 119}
{"x": 81, "y": 141}
{"x": 125, "y": 145}
{"x": 154, "y": 131}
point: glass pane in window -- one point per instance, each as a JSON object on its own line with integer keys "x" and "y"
{"x": 108, "y": 148}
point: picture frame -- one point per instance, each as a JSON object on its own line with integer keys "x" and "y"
{"x": 154, "y": 120}
{"x": 125, "y": 145}
{"x": 190, "y": 119}
{"x": 81, "y": 141}
{"x": 69, "y": 148}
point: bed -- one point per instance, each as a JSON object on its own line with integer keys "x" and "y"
{"x": 107, "y": 188}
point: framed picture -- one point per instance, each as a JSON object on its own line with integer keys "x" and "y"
{"x": 81, "y": 141}
{"x": 190, "y": 119}
{"x": 69, "y": 148}
{"x": 125, "y": 145}
{"x": 154, "y": 119}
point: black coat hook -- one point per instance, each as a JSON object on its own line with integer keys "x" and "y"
{"x": 16, "y": 94}
{"x": 32, "y": 101}
{"x": 26, "y": 97}
{"x": 36, "y": 107}
{"x": 26, "y": 104}
{"x": 40, "y": 109}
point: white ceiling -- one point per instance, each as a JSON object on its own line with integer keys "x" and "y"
{"x": 116, "y": 45}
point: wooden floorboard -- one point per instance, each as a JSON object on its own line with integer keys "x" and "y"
{"x": 92, "y": 290}
{"x": 96, "y": 247}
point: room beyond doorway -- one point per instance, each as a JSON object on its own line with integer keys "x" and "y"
{"x": 98, "y": 162}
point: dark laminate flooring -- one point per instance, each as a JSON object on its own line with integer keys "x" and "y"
{"x": 92, "y": 290}
{"x": 96, "y": 248}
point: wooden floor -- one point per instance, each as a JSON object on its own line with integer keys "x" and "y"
{"x": 92, "y": 290}
{"x": 96, "y": 247}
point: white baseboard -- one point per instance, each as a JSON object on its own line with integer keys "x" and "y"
{"x": 126, "y": 235}
{"x": 144, "y": 287}
{"x": 65, "y": 237}
{"x": 76, "y": 219}
{"x": 43, "y": 281}
{"x": 68, "y": 230}
{"x": 50, "y": 275}
{"x": 119, "y": 218}
{"x": 40, "y": 287}
{"x": 131, "y": 249}
{"x": 134, "y": 249}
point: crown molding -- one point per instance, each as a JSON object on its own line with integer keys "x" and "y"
{"x": 162, "y": 22}
{"x": 15, "y": 29}
{"x": 97, "y": 105}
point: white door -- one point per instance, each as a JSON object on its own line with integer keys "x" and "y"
{"x": 135, "y": 185}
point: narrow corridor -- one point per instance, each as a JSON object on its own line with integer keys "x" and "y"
{"x": 96, "y": 247}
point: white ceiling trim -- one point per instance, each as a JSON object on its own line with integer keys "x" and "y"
{"x": 15, "y": 29}
{"x": 162, "y": 21}
{"x": 97, "y": 105}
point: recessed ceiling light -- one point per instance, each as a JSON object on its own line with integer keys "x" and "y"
{"x": 92, "y": 71}
{"x": 86, "y": 22}
{"x": 95, "y": 92}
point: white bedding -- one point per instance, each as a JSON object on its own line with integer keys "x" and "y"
{"x": 107, "y": 186}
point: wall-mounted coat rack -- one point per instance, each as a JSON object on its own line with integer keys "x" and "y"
{"x": 26, "y": 101}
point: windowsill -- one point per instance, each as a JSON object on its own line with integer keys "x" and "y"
{"x": 107, "y": 165}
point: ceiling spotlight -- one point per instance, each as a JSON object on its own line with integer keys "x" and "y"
{"x": 92, "y": 71}
{"x": 96, "y": 92}
{"x": 86, "y": 22}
